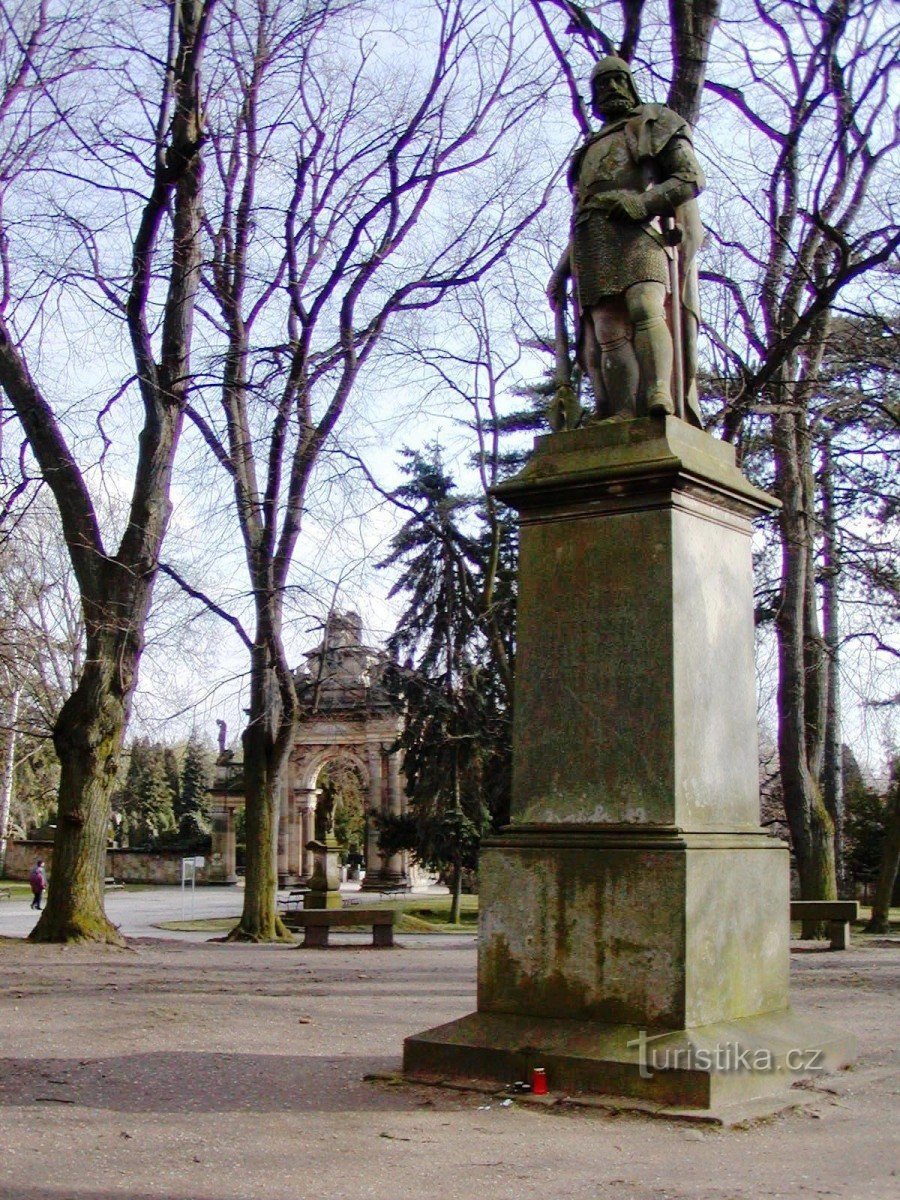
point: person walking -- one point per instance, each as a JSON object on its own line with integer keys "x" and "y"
{"x": 38, "y": 881}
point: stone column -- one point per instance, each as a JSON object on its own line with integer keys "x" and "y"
{"x": 289, "y": 840}
{"x": 223, "y": 852}
{"x": 374, "y": 860}
{"x": 283, "y": 827}
{"x": 305, "y": 799}
{"x": 295, "y": 839}
{"x": 634, "y": 890}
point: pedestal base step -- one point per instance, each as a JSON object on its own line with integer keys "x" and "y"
{"x": 706, "y": 1068}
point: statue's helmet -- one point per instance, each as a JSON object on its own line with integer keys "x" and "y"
{"x": 611, "y": 65}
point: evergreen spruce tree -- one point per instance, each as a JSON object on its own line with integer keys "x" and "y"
{"x": 867, "y": 821}
{"x": 880, "y": 920}
{"x": 170, "y": 763}
{"x": 192, "y": 808}
{"x": 455, "y": 739}
{"x": 146, "y": 800}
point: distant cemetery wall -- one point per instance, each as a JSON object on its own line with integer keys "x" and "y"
{"x": 125, "y": 866}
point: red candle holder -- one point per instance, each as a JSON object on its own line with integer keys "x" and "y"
{"x": 538, "y": 1082}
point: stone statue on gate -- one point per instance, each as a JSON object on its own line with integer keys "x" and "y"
{"x": 635, "y": 232}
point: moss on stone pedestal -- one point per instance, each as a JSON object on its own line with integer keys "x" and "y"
{"x": 634, "y": 894}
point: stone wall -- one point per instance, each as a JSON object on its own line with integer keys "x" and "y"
{"x": 21, "y": 857}
{"x": 125, "y": 866}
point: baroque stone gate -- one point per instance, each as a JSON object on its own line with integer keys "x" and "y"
{"x": 347, "y": 715}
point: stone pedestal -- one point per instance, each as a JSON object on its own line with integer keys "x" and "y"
{"x": 325, "y": 881}
{"x": 633, "y": 905}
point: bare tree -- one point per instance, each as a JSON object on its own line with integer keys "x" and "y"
{"x": 115, "y": 586}
{"x": 822, "y": 136}
{"x": 8, "y": 723}
{"x": 798, "y": 131}
{"x": 329, "y": 152}
{"x": 41, "y": 649}
{"x": 680, "y": 49}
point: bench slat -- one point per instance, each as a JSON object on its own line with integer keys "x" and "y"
{"x": 824, "y": 910}
{"x": 340, "y": 916}
{"x": 317, "y": 922}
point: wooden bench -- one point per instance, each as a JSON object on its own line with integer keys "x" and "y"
{"x": 5, "y": 893}
{"x": 838, "y": 914}
{"x": 294, "y": 899}
{"x": 316, "y": 923}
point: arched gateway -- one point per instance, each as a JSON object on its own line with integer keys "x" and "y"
{"x": 347, "y": 716}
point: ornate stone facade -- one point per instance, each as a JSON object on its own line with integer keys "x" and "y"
{"x": 346, "y": 714}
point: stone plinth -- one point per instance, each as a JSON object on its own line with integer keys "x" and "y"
{"x": 635, "y": 617}
{"x": 659, "y": 930}
{"x": 325, "y": 881}
{"x": 634, "y": 894}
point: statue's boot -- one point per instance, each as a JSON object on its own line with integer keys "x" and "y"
{"x": 653, "y": 351}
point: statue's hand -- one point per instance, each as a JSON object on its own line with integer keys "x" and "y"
{"x": 556, "y": 290}
{"x": 623, "y": 206}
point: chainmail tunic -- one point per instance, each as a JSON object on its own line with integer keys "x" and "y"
{"x": 611, "y": 255}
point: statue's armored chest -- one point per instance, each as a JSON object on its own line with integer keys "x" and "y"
{"x": 607, "y": 164}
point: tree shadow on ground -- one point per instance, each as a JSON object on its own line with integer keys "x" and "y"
{"x": 188, "y": 1082}
{"x": 812, "y": 948}
{"x": 67, "y": 1193}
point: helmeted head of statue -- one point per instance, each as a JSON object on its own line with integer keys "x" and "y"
{"x": 613, "y": 93}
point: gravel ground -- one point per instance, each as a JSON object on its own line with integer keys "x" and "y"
{"x": 202, "y": 1071}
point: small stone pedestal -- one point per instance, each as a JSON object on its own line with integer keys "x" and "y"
{"x": 634, "y": 917}
{"x": 325, "y": 881}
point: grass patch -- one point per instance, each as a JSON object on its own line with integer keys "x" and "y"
{"x": 432, "y": 914}
{"x": 416, "y": 916}
{"x": 858, "y": 927}
{"x": 208, "y": 925}
{"x": 20, "y": 891}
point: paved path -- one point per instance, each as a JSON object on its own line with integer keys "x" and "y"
{"x": 235, "y": 1072}
{"x": 140, "y": 913}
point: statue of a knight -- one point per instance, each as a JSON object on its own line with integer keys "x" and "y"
{"x": 635, "y": 231}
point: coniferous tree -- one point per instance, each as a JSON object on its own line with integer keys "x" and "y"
{"x": 173, "y": 777}
{"x": 865, "y": 828}
{"x": 443, "y": 674}
{"x": 880, "y": 920}
{"x": 192, "y": 805}
{"x": 146, "y": 800}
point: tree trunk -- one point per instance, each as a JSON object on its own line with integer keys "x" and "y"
{"x": 880, "y": 922}
{"x": 692, "y": 25}
{"x": 116, "y": 589}
{"x": 456, "y": 894}
{"x": 88, "y": 738}
{"x": 9, "y": 768}
{"x": 832, "y": 767}
{"x": 267, "y": 747}
{"x": 812, "y": 831}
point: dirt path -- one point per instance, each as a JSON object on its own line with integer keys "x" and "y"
{"x": 212, "y": 1072}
